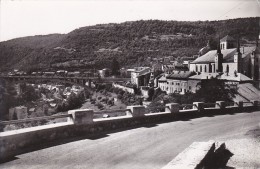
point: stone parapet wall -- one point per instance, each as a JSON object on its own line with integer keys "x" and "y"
{"x": 81, "y": 123}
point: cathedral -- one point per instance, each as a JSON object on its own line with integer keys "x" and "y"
{"x": 230, "y": 58}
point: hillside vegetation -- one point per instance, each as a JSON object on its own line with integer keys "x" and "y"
{"x": 131, "y": 42}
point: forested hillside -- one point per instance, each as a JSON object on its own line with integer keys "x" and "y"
{"x": 131, "y": 42}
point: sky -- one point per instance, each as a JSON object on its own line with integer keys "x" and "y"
{"x": 19, "y": 18}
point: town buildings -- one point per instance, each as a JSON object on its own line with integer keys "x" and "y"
{"x": 232, "y": 63}
{"x": 176, "y": 82}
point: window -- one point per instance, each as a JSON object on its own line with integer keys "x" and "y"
{"x": 200, "y": 68}
{"x": 205, "y": 68}
{"x": 196, "y": 68}
{"x": 227, "y": 69}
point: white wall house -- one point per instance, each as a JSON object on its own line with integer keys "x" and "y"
{"x": 139, "y": 75}
{"x": 177, "y": 82}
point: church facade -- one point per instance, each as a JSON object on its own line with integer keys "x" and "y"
{"x": 230, "y": 57}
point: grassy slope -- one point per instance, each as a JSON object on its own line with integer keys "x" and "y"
{"x": 94, "y": 46}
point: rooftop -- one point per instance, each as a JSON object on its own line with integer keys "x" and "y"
{"x": 228, "y": 55}
{"x": 227, "y": 38}
{"x": 139, "y": 69}
{"x": 180, "y": 75}
{"x": 162, "y": 78}
{"x": 230, "y": 77}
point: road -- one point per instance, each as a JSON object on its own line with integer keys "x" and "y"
{"x": 149, "y": 147}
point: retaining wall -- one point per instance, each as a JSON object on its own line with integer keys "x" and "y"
{"x": 127, "y": 89}
{"x": 81, "y": 123}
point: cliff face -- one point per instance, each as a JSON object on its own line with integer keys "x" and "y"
{"x": 131, "y": 43}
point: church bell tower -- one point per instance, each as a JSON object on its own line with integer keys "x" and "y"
{"x": 218, "y": 59}
{"x": 238, "y": 58}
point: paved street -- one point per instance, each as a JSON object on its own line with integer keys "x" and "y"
{"x": 149, "y": 147}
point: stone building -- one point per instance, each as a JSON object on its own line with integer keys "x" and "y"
{"x": 232, "y": 79}
{"x": 229, "y": 58}
{"x": 176, "y": 82}
{"x": 19, "y": 112}
{"x": 141, "y": 76}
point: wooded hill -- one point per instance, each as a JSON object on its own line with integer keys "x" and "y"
{"x": 132, "y": 43}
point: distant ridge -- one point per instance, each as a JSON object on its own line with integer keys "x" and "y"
{"x": 130, "y": 42}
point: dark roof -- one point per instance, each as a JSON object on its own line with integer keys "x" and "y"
{"x": 228, "y": 55}
{"x": 227, "y": 38}
{"x": 180, "y": 75}
{"x": 143, "y": 74}
{"x": 230, "y": 77}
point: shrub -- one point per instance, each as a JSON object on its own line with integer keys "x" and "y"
{"x": 121, "y": 92}
{"x": 109, "y": 102}
{"x": 116, "y": 90}
{"x": 99, "y": 105}
{"x": 119, "y": 96}
{"x": 104, "y": 100}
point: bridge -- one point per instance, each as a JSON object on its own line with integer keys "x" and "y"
{"x": 152, "y": 141}
{"x": 71, "y": 80}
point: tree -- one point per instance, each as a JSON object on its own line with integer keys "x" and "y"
{"x": 213, "y": 90}
{"x": 150, "y": 93}
{"x": 157, "y": 92}
{"x": 137, "y": 90}
{"x": 157, "y": 104}
{"x": 115, "y": 67}
{"x": 29, "y": 94}
{"x": 8, "y": 99}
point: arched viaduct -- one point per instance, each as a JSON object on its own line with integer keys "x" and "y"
{"x": 71, "y": 80}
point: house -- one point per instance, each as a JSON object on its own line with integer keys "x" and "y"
{"x": 168, "y": 68}
{"x": 187, "y": 60}
{"x": 176, "y": 82}
{"x": 73, "y": 74}
{"x": 31, "y": 110}
{"x": 49, "y": 74}
{"x": 76, "y": 89}
{"x": 129, "y": 72}
{"x": 104, "y": 72}
{"x": 167, "y": 59}
{"x": 175, "y": 66}
{"x": 141, "y": 76}
{"x": 204, "y": 50}
{"x": 19, "y": 112}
